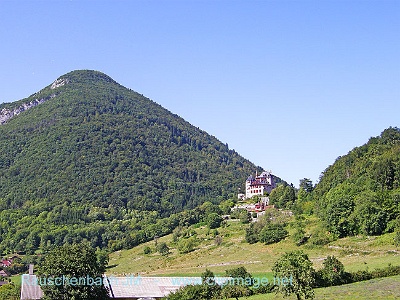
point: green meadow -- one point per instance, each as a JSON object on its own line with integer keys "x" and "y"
{"x": 232, "y": 251}
{"x": 381, "y": 288}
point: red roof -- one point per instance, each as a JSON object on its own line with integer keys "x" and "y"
{"x": 5, "y": 263}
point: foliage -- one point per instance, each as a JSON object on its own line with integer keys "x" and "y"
{"x": 208, "y": 290}
{"x": 269, "y": 229}
{"x": 98, "y": 162}
{"x": 163, "y": 248}
{"x": 296, "y": 267}
{"x": 359, "y": 193}
{"x": 332, "y": 272}
{"x": 299, "y": 234}
{"x": 73, "y": 263}
{"x": 214, "y": 220}
{"x": 235, "y": 291}
{"x": 242, "y": 214}
{"x": 239, "y": 272}
{"x": 187, "y": 245}
{"x": 283, "y": 196}
{"x": 10, "y": 292}
{"x": 272, "y": 233}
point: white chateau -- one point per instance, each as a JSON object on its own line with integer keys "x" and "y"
{"x": 257, "y": 186}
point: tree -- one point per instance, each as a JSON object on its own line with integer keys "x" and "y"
{"x": 235, "y": 291}
{"x": 299, "y": 234}
{"x": 147, "y": 250}
{"x": 283, "y": 196}
{"x": 272, "y": 233}
{"x": 239, "y": 272}
{"x": 73, "y": 272}
{"x": 207, "y": 290}
{"x": 211, "y": 288}
{"x": 244, "y": 216}
{"x": 332, "y": 272}
{"x": 189, "y": 292}
{"x": 187, "y": 245}
{"x": 163, "y": 249}
{"x": 252, "y": 234}
{"x": 306, "y": 185}
{"x": 213, "y": 220}
{"x": 396, "y": 240}
{"x": 339, "y": 207}
{"x": 294, "y": 274}
{"x": 10, "y": 292}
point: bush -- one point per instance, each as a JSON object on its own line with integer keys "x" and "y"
{"x": 320, "y": 236}
{"x": 235, "y": 291}
{"x": 272, "y": 233}
{"x": 385, "y": 272}
{"x": 10, "y": 292}
{"x": 242, "y": 214}
{"x": 251, "y": 234}
{"x": 332, "y": 272}
{"x": 163, "y": 249}
{"x": 187, "y": 245}
{"x": 360, "y": 276}
{"x": 214, "y": 220}
{"x": 239, "y": 272}
{"x": 397, "y": 237}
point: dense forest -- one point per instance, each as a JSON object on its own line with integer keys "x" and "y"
{"x": 99, "y": 162}
{"x": 360, "y": 192}
{"x": 91, "y": 160}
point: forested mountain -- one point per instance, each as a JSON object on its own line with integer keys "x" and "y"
{"x": 360, "y": 192}
{"x": 85, "y": 151}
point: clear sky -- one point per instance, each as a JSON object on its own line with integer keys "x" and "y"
{"x": 290, "y": 85}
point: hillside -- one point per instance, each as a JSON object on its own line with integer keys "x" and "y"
{"x": 86, "y": 152}
{"x": 360, "y": 192}
{"x": 232, "y": 251}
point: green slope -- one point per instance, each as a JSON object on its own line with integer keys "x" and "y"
{"x": 360, "y": 192}
{"x": 96, "y": 151}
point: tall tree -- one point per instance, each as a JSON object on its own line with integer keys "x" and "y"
{"x": 294, "y": 274}
{"x": 306, "y": 184}
{"x": 73, "y": 272}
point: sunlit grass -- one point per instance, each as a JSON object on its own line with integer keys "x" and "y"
{"x": 356, "y": 253}
{"x": 380, "y": 288}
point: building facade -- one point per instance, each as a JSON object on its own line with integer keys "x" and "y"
{"x": 260, "y": 185}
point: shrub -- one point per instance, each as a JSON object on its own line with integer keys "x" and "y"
{"x": 332, "y": 272}
{"x": 272, "y": 233}
{"x": 163, "y": 249}
{"x": 251, "y": 234}
{"x": 187, "y": 245}
{"x": 214, "y": 220}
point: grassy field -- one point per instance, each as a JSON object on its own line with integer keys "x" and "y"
{"x": 356, "y": 253}
{"x": 381, "y": 288}
{"x": 16, "y": 279}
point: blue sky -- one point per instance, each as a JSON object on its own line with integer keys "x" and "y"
{"x": 290, "y": 85}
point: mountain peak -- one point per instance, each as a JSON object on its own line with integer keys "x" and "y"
{"x": 85, "y": 76}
